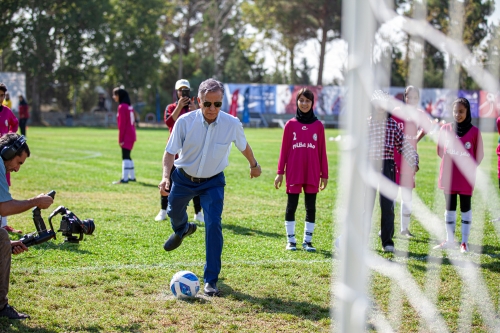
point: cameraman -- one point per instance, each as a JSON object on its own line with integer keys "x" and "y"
{"x": 9, "y": 206}
{"x": 183, "y": 105}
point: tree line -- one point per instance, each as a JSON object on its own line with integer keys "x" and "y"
{"x": 69, "y": 47}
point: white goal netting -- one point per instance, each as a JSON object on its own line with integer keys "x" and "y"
{"x": 357, "y": 306}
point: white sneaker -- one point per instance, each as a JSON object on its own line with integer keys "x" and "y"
{"x": 199, "y": 217}
{"x": 464, "y": 247}
{"x": 162, "y": 215}
{"x": 445, "y": 245}
{"x": 389, "y": 248}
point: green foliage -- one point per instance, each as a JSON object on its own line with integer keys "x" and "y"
{"x": 131, "y": 51}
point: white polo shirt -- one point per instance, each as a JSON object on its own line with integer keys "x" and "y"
{"x": 204, "y": 149}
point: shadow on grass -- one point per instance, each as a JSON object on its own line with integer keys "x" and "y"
{"x": 147, "y": 185}
{"x": 7, "y": 326}
{"x": 302, "y": 309}
{"x": 237, "y": 229}
{"x": 71, "y": 247}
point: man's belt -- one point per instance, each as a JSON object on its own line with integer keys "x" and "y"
{"x": 194, "y": 179}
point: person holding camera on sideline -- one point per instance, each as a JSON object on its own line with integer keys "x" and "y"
{"x": 14, "y": 151}
{"x": 184, "y": 104}
{"x": 203, "y": 141}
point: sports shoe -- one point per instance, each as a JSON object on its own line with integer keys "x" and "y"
{"x": 464, "y": 247}
{"x": 199, "y": 217}
{"x": 308, "y": 247}
{"x": 444, "y": 245}
{"x": 211, "y": 289}
{"x": 132, "y": 180}
{"x": 12, "y": 230}
{"x": 162, "y": 215}
{"x": 407, "y": 233}
{"x": 291, "y": 246}
{"x": 389, "y": 248}
{"x": 11, "y": 313}
{"x": 175, "y": 241}
{"x": 121, "y": 181}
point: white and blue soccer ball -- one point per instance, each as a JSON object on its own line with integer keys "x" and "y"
{"x": 184, "y": 284}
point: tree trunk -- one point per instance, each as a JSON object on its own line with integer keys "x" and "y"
{"x": 35, "y": 102}
{"x": 322, "y": 56}
{"x": 293, "y": 75}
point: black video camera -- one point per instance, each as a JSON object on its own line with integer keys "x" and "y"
{"x": 70, "y": 224}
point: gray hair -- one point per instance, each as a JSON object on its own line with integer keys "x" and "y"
{"x": 210, "y": 85}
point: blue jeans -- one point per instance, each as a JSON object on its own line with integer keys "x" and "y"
{"x": 211, "y": 193}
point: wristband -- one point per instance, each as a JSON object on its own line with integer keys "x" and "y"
{"x": 256, "y": 165}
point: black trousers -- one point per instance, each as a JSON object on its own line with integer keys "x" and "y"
{"x": 386, "y": 204}
{"x": 196, "y": 199}
{"x": 22, "y": 125}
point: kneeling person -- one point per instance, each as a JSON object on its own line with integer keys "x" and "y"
{"x": 14, "y": 152}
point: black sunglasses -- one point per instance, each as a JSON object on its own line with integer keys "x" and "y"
{"x": 209, "y": 104}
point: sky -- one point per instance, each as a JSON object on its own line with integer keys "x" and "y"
{"x": 336, "y": 55}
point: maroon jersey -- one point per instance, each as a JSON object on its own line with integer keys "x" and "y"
{"x": 169, "y": 121}
{"x": 451, "y": 179}
{"x": 405, "y": 173}
{"x": 126, "y": 126}
{"x": 303, "y": 153}
{"x": 8, "y": 122}
{"x": 498, "y": 147}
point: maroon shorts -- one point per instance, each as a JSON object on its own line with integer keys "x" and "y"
{"x": 297, "y": 188}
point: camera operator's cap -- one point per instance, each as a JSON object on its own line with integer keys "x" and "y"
{"x": 182, "y": 83}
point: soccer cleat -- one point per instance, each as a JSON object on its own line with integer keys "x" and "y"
{"x": 11, "y": 313}
{"x": 389, "y": 248}
{"x": 132, "y": 180}
{"x": 407, "y": 233}
{"x": 199, "y": 217}
{"x": 162, "y": 215}
{"x": 12, "y": 230}
{"x": 464, "y": 247}
{"x": 121, "y": 181}
{"x": 211, "y": 289}
{"x": 308, "y": 247}
{"x": 291, "y": 246}
{"x": 444, "y": 245}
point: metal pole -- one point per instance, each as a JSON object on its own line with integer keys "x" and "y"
{"x": 351, "y": 289}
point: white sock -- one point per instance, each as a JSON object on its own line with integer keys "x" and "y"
{"x": 466, "y": 224}
{"x": 131, "y": 171}
{"x": 450, "y": 218}
{"x": 308, "y": 231}
{"x": 405, "y": 214}
{"x": 124, "y": 170}
{"x": 4, "y": 221}
{"x": 290, "y": 231}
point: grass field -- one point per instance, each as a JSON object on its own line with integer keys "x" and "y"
{"x": 117, "y": 280}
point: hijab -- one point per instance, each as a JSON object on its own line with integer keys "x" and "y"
{"x": 23, "y": 101}
{"x": 305, "y": 117}
{"x": 462, "y": 128}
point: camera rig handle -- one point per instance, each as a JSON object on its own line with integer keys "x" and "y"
{"x": 42, "y": 234}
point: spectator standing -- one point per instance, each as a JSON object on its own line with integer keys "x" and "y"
{"x": 24, "y": 114}
{"x": 125, "y": 118}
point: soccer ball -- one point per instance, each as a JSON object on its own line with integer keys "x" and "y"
{"x": 184, "y": 284}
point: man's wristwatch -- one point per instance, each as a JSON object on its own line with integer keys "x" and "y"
{"x": 256, "y": 165}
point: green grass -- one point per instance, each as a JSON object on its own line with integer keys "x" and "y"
{"x": 117, "y": 280}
